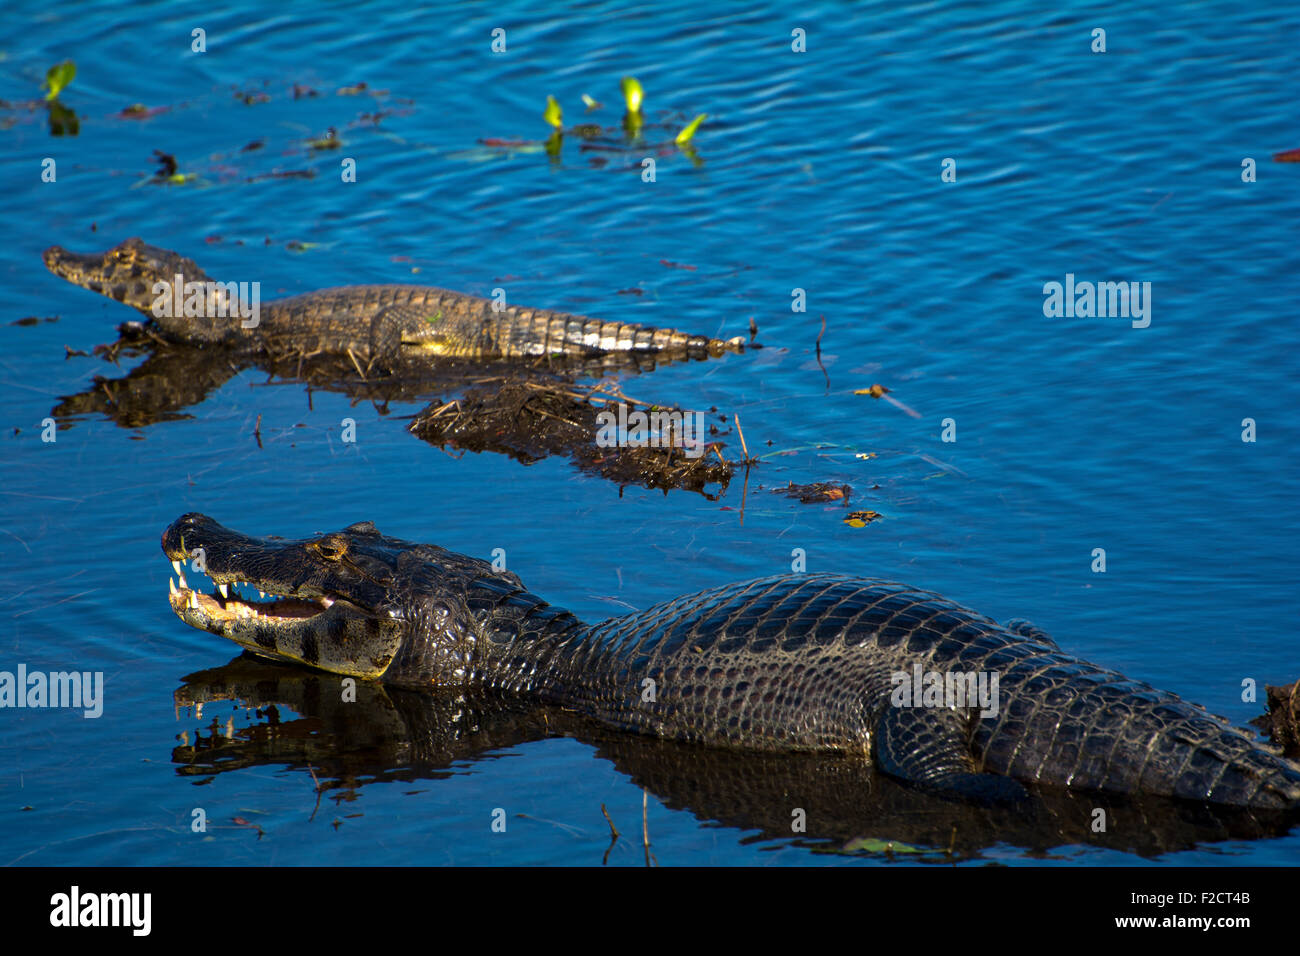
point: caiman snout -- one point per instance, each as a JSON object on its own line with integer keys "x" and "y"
{"x": 312, "y": 607}
{"x": 70, "y": 265}
{"x": 131, "y": 273}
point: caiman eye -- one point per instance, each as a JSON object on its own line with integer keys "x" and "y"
{"x": 331, "y": 548}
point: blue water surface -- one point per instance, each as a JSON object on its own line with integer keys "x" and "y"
{"x": 818, "y": 171}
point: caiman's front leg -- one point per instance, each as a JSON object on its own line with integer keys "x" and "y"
{"x": 431, "y": 330}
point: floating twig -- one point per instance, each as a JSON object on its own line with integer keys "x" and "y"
{"x": 741, "y": 432}
{"x": 613, "y": 830}
{"x": 645, "y": 829}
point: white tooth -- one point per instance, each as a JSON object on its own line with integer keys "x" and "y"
{"x": 261, "y": 594}
{"x": 194, "y": 600}
{"x": 176, "y": 566}
{"x": 225, "y": 591}
{"x": 171, "y": 584}
{"x": 182, "y": 576}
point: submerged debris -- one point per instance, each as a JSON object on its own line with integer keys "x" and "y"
{"x": 820, "y": 491}
{"x": 330, "y": 140}
{"x": 168, "y": 172}
{"x": 601, "y": 430}
{"x": 860, "y": 519}
{"x": 1282, "y": 722}
{"x": 875, "y": 391}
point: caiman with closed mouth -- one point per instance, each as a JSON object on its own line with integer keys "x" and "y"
{"x": 796, "y": 662}
{"x": 371, "y": 323}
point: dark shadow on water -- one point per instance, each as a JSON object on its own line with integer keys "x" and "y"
{"x": 524, "y": 410}
{"x": 301, "y": 721}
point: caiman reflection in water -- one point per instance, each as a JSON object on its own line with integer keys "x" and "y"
{"x": 526, "y": 411}
{"x": 389, "y": 735}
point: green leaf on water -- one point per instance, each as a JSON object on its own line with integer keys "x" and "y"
{"x": 632, "y": 93}
{"x": 685, "y": 135}
{"x": 877, "y": 845}
{"x": 590, "y": 102}
{"x": 58, "y": 77}
{"x": 553, "y": 114}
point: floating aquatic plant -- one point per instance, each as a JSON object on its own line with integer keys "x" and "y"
{"x": 685, "y": 135}
{"x": 58, "y": 77}
{"x": 553, "y": 114}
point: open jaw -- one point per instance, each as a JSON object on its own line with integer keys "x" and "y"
{"x": 211, "y": 612}
{"x": 326, "y": 632}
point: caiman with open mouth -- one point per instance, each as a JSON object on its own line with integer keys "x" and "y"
{"x": 802, "y": 662}
{"x": 374, "y": 324}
